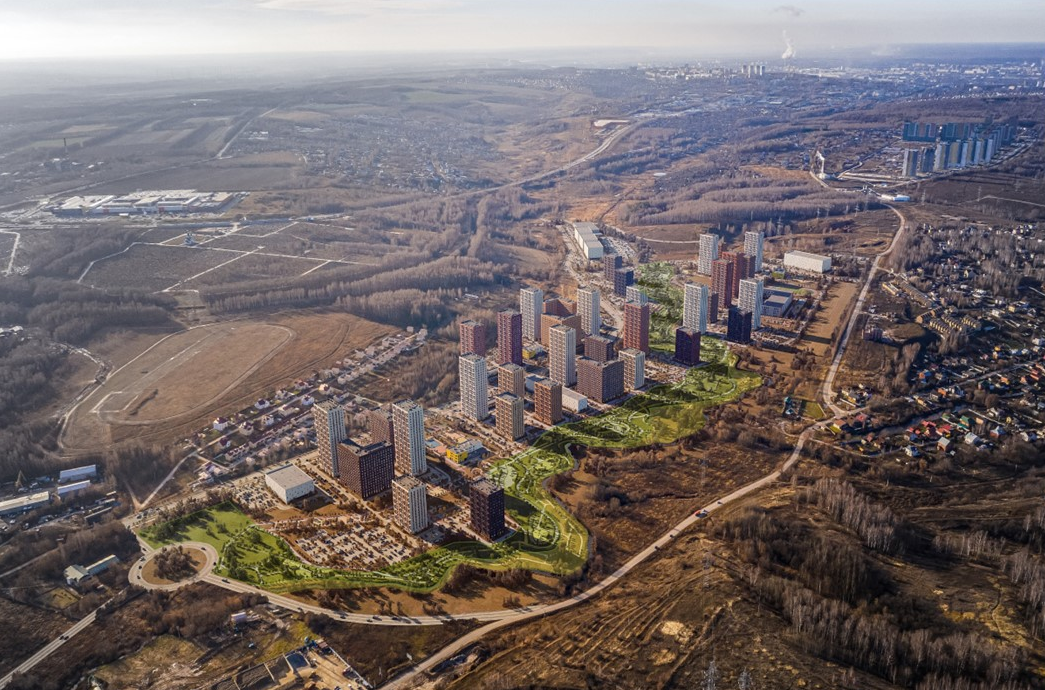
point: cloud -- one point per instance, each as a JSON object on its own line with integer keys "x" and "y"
{"x": 361, "y": 8}
{"x": 790, "y": 10}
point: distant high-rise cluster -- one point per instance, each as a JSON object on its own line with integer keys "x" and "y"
{"x": 952, "y": 145}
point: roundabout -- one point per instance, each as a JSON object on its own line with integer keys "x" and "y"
{"x": 144, "y": 573}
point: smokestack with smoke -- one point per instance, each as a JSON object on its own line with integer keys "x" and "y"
{"x": 789, "y": 52}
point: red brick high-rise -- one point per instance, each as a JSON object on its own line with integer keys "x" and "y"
{"x": 547, "y": 401}
{"x": 722, "y": 281}
{"x": 473, "y": 338}
{"x": 636, "y": 326}
{"x": 509, "y": 337}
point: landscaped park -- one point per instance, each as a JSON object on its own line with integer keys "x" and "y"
{"x": 655, "y": 279}
{"x": 548, "y": 538}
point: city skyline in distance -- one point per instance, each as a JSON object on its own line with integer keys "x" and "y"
{"x": 767, "y": 30}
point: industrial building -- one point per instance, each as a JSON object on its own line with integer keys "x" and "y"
{"x": 776, "y": 303}
{"x": 410, "y": 504}
{"x": 806, "y": 262}
{"x": 76, "y": 575}
{"x": 486, "y": 504}
{"x": 587, "y": 238}
{"x": 289, "y": 482}
{"x": 22, "y": 504}
{"x": 67, "y": 490}
{"x": 151, "y": 202}
{"x": 78, "y": 473}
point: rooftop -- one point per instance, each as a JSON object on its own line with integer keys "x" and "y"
{"x": 288, "y": 476}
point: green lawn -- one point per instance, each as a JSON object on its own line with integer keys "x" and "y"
{"x": 549, "y": 538}
{"x": 655, "y": 280}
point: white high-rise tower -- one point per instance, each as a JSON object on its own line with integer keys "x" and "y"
{"x": 753, "y": 241}
{"x": 562, "y": 357}
{"x": 695, "y": 307}
{"x": 588, "y": 308}
{"x": 531, "y": 304}
{"x": 750, "y": 299}
{"x": 408, "y": 426}
{"x": 471, "y": 370}
{"x": 708, "y": 253}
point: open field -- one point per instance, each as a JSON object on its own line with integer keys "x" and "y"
{"x": 28, "y": 628}
{"x": 549, "y": 538}
{"x": 202, "y": 372}
{"x": 153, "y": 267}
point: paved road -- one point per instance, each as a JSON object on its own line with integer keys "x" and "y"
{"x": 51, "y": 647}
{"x": 135, "y": 575}
{"x": 827, "y": 392}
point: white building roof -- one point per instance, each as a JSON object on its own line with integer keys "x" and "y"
{"x": 807, "y": 255}
{"x": 288, "y": 476}
{"x": 26, "y": 502}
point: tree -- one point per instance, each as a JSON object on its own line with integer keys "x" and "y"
{"x": 745, "y": 682}
{"x": 711, "y": 676}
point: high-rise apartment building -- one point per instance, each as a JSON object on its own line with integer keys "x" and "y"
{"x": 633, "y": 293}
{"x": 687, "y": 346}
{"x": 622, "y": 278}
{"x": 588, "y": 309}
{"x": 722, "y": 280}
{"x": 634, "y": 369}
{"x": 408, "y": 423}
{"x": 636, "y": 326}
{"x": 531, "y": 306}
{"x": 511, "y": 378}
{"x": 753, "y": 245}
{"x": 712, "y": 307}
{"x": 738, "y": 326}
{"x": 380, "y": 425}
{"x": 610, "y": 264}
{"x": 510, "y": 336}
{"x": 472, "y": 337}
{"x": 366, "y": 470}
{"x": 750, "y": 299}
{"x": 547, "y": 401}
{"x": 329, "y": 422}
{"x": 549, "y": 321}
{"x": 410, "y": 504}
{"x": 472, "y": 378}
{"x": 600, "y": 381}
{"x": 708, "y": 253}
{"x": 562, "y": 355}
{"x": 509, "y": 411}
{"x": 599, "y": 348}
{"x": 486, "y": 509}
{"x": 695, "y": 307}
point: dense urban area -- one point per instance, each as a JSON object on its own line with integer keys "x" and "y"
{"x": 717, "y": 374}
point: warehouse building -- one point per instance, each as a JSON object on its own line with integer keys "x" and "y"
{"x": 289, "y": 482}
{"x": 806, "y": 262}
{"x": 587, "y": 237}
{"x": 23, "y": 504}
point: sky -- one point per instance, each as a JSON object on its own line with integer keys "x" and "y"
{"x": 31, "y": 29}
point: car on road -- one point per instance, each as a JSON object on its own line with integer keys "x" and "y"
{"x": 224, "y": 579}
{"x": 701, "y": 513}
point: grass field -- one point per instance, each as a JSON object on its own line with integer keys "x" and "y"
{"x": 655, "y": 281}
{"x": 549, "y": 539}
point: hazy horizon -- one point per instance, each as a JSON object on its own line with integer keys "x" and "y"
{"x": 62, "y": 29}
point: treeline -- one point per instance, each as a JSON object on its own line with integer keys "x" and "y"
{"x": 74, "y": 313}
{"x": 402, "y": 307}
{"x": 876, "y": 524}
{"x": 73, "y": 250}
{"x": 445, "y": 273}
{"x": 841, "y": 605}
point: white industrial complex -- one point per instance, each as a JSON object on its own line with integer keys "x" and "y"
{"x": 147, "y": 203}
{"x": 806, "y": 262}
{"x": 587, "y": 236}
{"x": 289, "y": 482}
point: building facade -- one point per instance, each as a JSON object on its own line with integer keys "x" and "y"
{"x": 380, "y": 426}
{"x": 708, "y": 253}
{"x": 750, "y": 299}
{"x": 738, "y": 326}
{"x": 410, "y": 504}
{"x": 486, "y": 509}
{"x": 368, "y": 470}
{"x": 588, "y": 310}
{"x": 636, "y": 326}
{"x": 472, "y": 338}
{"x": 807, "y": 262}
{"x": 329, "y": 422}
{"x": 511, "y": 378}
{"x": 622, "y": 278}
{"x": 634, "y": 369}
{"x": 510, "y": 336}
{"x": 722, "y": 281}
{"x": 562, "y": 355}
{"x": 610, "y": 264}
{"x": 547, "y": 401}
{"x": 695, "y": 307}
{"x": 753, "y": 245}
{"x": 509, "y": 411}
{"x": 599, "y": 348}
{"x": 687, "y": 346}
{"x": 408, "y": 424}
{"x": 531, "y": 306}
{"x": 633, "y": 293}
{"x": 473, "y": 380}
{"x": 600, "y": 381}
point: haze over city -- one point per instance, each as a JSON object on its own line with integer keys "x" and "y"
{"x": 104, "y": 28}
